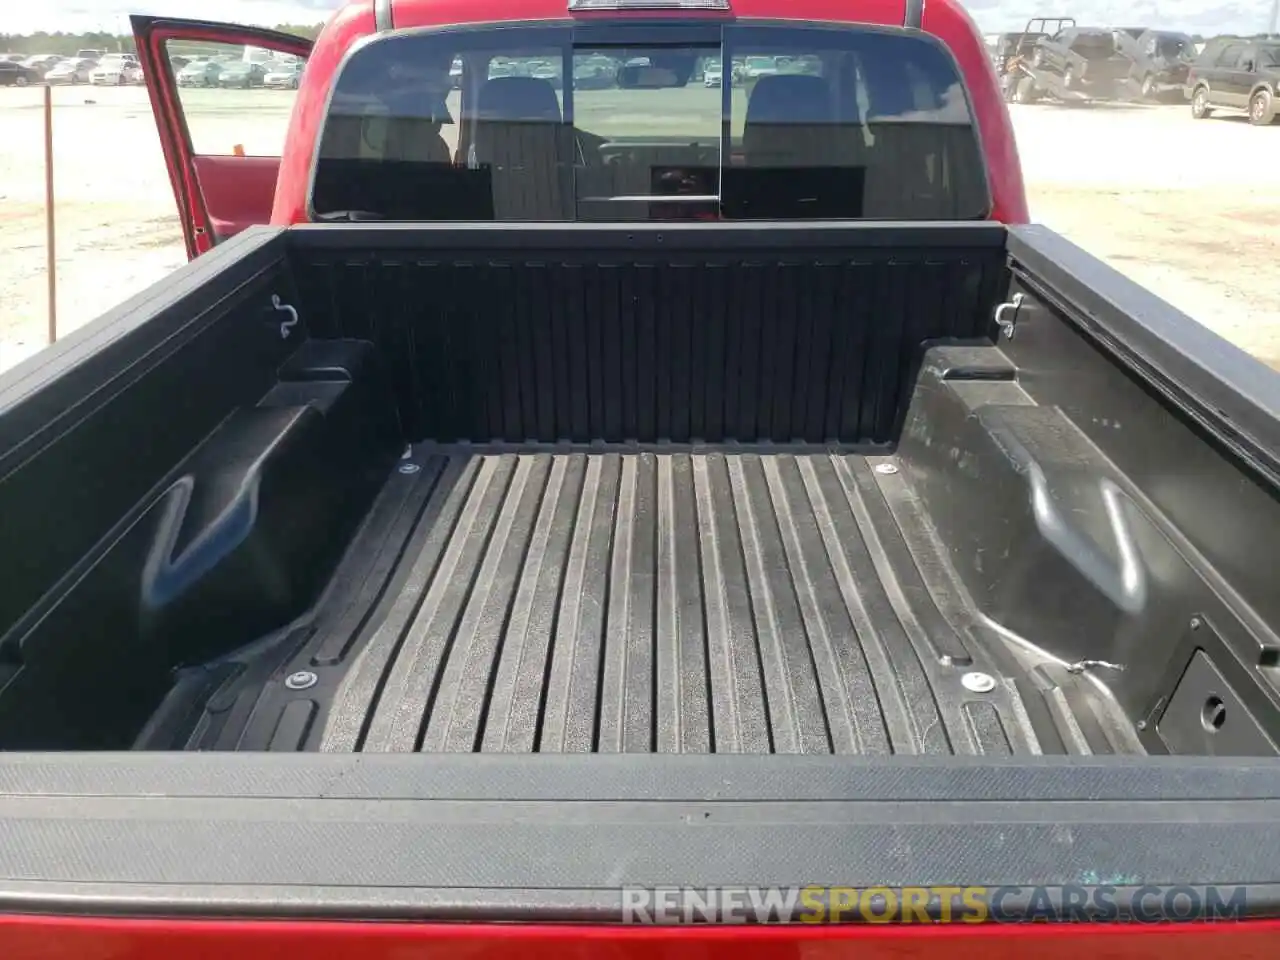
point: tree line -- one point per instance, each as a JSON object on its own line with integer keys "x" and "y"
{"x": 66, "y": 44}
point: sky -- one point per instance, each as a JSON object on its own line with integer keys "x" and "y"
{"x": 77, "y": 16}
{"x": 1205, "y": 16}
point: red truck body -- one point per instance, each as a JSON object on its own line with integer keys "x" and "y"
{"x": 89, "y": 938}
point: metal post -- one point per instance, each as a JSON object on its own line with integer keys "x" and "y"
{"x": 51, "y": 256}
{"x": 1275, "y": 16}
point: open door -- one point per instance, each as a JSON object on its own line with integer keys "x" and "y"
{"x": 222, "y": 94}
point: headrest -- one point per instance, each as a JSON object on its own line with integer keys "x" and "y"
{"x": 416, "y": 104}
{"x": 518, "y": 98}
{"x": 890, "y": 92}
{"x": 790, "y": 98}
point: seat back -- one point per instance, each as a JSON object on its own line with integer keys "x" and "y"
{"x": 517, "y": 136}
{"x": 791, "y": 122}
{"x": 914, "y": 167}
{"x": 413, "y": 127}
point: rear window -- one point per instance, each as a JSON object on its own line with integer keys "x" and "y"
{"x": 1175, "y": 46}
{"x": 1097, "y": 46}
{"x": 741, "y": 123}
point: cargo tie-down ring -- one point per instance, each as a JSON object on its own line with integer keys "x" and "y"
{"x": 1006, "y": 323}
{"x": 286, "y": 325}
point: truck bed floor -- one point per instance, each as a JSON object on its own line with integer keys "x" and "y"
{"x": 644, "y": 602}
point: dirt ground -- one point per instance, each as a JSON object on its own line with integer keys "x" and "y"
{"x": 1180, "y": 206}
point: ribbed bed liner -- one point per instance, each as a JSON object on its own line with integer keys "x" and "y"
{"x": 637, "y": 601}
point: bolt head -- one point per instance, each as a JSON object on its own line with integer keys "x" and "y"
{"x": 409, "y": 468}
{"x": 978, "y": 682}
{"x": 302, "y": 680}
{"x": 886, "y": 469}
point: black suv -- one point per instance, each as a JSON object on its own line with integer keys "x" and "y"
{"x": 1161, "y": 60}
{"x": 1236, "y": 74}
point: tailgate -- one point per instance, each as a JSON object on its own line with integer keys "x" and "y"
{"x": 1112, "y": 70}
{"x": 590, "y": 838}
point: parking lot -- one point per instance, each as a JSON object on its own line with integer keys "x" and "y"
{"x": 1189, "y": 209}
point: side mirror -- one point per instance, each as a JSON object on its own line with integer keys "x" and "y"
{"x": 1247, "y": 66}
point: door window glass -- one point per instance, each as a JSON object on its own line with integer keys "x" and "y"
{"x": 235, "y": 99}
{"x": 1231, "y": 55}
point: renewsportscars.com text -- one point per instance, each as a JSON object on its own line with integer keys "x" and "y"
{"x": 939, "y": 904}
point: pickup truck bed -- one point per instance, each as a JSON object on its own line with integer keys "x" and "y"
{"x": 624, "y": 601}
{"x": 336, "y": 565}
{"x": 640, "y": 488}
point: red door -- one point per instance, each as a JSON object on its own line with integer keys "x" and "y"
{"x": 222, "y": 94}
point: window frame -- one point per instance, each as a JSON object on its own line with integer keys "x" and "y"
{"x": 655, "y": 32}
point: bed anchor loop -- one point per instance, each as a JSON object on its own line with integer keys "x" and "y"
{"x": 286, "y": 326}
{"x": 1007, "y": 315}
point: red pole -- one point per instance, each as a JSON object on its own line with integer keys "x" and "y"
{"x": 51, "y": 261}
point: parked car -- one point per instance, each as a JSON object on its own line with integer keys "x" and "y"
{"x": 1160, "y": 61}
{"x": 809, "y": 64}
{"x": 283, "y": 76}
{"x": 1085, "y": 60}
{"x": 115, "y": 70}
{"x": 70, "y": 72}
{"x": 713, "y": 74}
{"x": 17, "y": 74}
{"x": 42, "y": 63}
{"x": 502, "y": 67}
{"x": 595, "y": 73}
{"x": 241, "y": 74}
{"x": 1053, "y": 57}
{"x": 200, "y": 73}
{"x": 548, "y": 70}
{"x": 756, "y": 68}
{"x": 1237, "y": 74}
